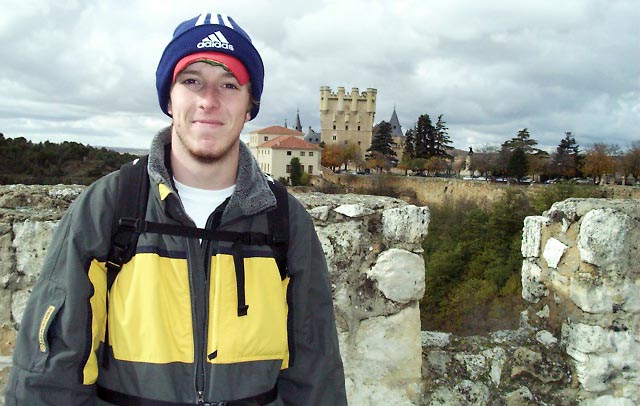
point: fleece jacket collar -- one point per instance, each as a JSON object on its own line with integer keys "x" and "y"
{"x": 252, "y": 194}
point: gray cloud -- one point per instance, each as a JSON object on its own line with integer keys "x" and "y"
{"x": 85, "y": 71}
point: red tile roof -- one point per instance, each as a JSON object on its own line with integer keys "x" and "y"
{"x": 289, "y": 142}
{"x": 277, "y": 130}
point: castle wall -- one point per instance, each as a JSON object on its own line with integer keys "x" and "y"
{"x": 579, "y": 338}
{"x": 373, "y": 251}
{"x": 347, "y": 117}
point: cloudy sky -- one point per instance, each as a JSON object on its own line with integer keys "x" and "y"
{"x": 85, "y": 70}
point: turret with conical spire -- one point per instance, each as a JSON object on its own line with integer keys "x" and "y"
{"x": 396, "y": 129}
{"x": 298, "y": 125}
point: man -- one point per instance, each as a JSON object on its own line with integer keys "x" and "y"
{"x": 177, "y": 331}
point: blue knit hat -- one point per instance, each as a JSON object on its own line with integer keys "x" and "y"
{"x": 215, "y": 33}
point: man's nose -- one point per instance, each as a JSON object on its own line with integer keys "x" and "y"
{"x": 210, "y": 98}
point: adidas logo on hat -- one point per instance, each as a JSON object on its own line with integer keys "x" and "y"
{"x": 215, "y": 40}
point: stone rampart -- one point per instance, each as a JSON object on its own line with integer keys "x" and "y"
{"x": 373, "y": 248}
{"x": 579, "y": 339}
{"x": 429, "y": 190}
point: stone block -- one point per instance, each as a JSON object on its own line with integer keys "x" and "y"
{"x": 382, "y": 359}
{"x": 407, "y": 224}
{"x": 353, "y": 210}
{"x": 400, "y": 275}
{"x": 603, "y": 358}
{"x": 533, "y": 287}
{"x": 610, "y": 240}
{"x": 553, "y": 252}
{"x": 31, "y": 240}
{"x": 532, "y": 235}
{"x": 435, "y": 339}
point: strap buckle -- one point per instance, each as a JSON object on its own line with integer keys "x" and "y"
{"x": 136, "y": 225}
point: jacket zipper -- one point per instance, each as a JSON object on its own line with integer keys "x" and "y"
{"x": 203, "y": 323}
{"x": 202, "y": 301}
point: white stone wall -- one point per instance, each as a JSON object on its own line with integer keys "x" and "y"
{"x": 582, "y": 272}
{"x": 374, "y": 254}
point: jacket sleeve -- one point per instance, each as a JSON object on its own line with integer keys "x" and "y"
{"x": 315, "y": 375}
{"x": 54, "y": 360}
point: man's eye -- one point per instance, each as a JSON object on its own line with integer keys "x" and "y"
{"x": 189, "y": 81}
{"x": 230, "y": 86}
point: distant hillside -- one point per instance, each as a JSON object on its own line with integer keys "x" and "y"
{"x": 132, "y": 151}
{"x": 46, "y": 163}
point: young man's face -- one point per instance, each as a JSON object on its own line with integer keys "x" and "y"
{"x": 209, "y": 109}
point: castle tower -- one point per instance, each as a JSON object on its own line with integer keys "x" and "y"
{"x": 396, "y": 128}
{"x": 347, "y": 118}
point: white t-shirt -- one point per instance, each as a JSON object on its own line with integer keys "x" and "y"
{"x": 200, "y": 203}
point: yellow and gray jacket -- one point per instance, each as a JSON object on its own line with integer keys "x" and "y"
{"x": 175, "y": 335}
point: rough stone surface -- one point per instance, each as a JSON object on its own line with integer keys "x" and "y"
{"x": 532, "y": 286}
{"x": 590, "y": 270}
{"x": 553, "y": 252}
{"x": 377, "y": 280}
{"x": 405, "y": 225}
{"x": 353, "y": 210}
{"x": 578, "y": 343}
{"x": 531, "y": 236}
{"x": 579, "y": 339}
{"x": 399, "y": 275}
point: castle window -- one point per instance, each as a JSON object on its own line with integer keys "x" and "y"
{"x": 334, "y": 126}
{"x": 288, "y": 152}
{"x": 358, "y": 128}
{"x": 334, "y": 138}
{"x": 310, "y": 153}
{"x": 301, "y": 153}
{"x": 346, "y": 127}
{"x": 266, "y": 138}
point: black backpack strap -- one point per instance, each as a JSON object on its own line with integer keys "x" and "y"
{"x": 131, "y": 202}
{"x": 279, "y": 226}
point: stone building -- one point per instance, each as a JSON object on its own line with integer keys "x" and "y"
{"x": 267, "y": 134}
{"x": 347, "y": 117}
{"x": 274, "y": 157}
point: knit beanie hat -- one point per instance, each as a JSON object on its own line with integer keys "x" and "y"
{"x": 209, "y": 33}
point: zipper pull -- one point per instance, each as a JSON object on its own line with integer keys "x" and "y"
{"x": 200, "y": 398}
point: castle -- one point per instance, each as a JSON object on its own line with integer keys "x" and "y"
{"x": 347, "y": 117}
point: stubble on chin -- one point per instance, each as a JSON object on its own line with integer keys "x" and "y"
{"x": 202, "y": 156}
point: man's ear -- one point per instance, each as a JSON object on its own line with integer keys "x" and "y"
{"x": 169, "y": 108}
{"x": 247, "y": 116}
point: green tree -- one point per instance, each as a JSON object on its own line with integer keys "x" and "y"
{"x": 441, "y": 140}
{"x": 382, "y": 143}
{"x": 517, "y": 166}
{"x": 534, "y": 157}
{"x": 409, "y": 151}
{"x": 566, "y": 158}
{"x": 422, "y": 132}
{"x": 296, "y": 172}
{"x": 524, "y": 141}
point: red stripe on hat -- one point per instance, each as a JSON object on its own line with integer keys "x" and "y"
{"x": 231, "y": 63}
